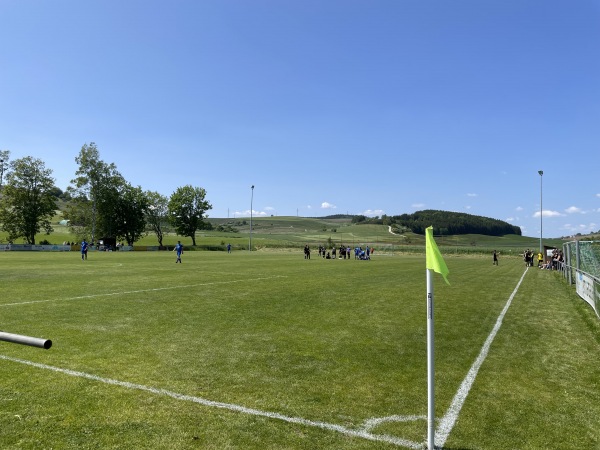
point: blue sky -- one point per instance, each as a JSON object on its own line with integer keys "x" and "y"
{"x": 325, "y": 106}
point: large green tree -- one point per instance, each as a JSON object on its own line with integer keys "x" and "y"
{"x": 27, "y": 204}
{"x": 129, "y": 214}
{"x": 79, "y": 214}
{"x": 156, "y": 216}
{"x": 187, "y": 208}
{"x": 95, "y": 180}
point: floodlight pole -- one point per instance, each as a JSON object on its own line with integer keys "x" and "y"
{"x": 541, "y": 172}
{"x": 251, "y": 200}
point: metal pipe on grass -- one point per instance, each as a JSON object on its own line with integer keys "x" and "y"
{"x": 25, "y": 340}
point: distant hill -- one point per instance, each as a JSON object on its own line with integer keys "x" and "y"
{"x": 453, "y": 223}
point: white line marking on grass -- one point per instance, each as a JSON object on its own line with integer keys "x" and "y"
{"x": 361, "y": 433}
{"x": 376, "y": 421}
{"x": 108, "y": 294}
{"x": 447, "y": 422}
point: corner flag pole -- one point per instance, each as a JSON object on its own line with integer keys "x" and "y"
{"x": 433, "y": 262}
{"x": 430, "y": 365}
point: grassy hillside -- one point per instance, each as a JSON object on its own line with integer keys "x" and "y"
{"x": 295, "y": 232}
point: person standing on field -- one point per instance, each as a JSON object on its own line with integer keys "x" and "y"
{"x": 179, "y": 249}
{"x": 84, "y": 250}
{"x": 495, "y": 258}
{"x": 306, "y": 252}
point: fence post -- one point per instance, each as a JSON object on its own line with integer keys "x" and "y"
{"x": 577, "y": 254}
{"x": 568, "y": 267}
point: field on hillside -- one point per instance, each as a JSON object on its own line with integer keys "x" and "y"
{"x": 267, "y": 350}
{"x": 295, "y": 232}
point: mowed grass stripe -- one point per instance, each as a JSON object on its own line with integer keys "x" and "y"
{"x": 139, "y": 291}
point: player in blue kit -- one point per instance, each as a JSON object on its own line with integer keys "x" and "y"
{"x": 179, "y": 250}
{"x": 84, "y": 250}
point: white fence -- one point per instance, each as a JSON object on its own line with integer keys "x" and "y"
{"x": 34, "y": 248}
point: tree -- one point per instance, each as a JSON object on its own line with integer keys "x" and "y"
{"x": 187, "y": 207}
{"x": 4, "y": 158}
{"x": 156, "y": 216}
{"x": 27, "y": 204}
{"x": 108, "y": 224}
{"x": 130, "y": 211}
{"x": 359, "y": 219}
{"x": 93, "y": 178}
{"x": 79, "y": 213}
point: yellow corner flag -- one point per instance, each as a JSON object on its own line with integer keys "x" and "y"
{"x": 434, "y": 259}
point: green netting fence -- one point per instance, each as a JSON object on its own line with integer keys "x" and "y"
{"x": 582, "y": 268}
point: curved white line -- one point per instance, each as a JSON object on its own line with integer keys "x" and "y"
{"x": 229, "y": 406}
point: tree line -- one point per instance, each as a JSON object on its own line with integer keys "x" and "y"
{"x": 100, "y": 202}
{"x": 444, "y": 223}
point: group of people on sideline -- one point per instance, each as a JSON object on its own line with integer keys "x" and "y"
{"x": 554, "y": 262}
{"x": 343, "y": 252}
{"x": 529, "y": 258}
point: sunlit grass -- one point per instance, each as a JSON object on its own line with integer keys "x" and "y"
{"x": 337, "y": 342}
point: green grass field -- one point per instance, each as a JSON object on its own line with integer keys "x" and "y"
{"x": 266, "y": 350}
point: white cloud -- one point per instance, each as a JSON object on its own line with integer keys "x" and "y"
{"x": 597, "y": 195}
{"x": 548, "y": 213}
{"x": 471, "y": 195}
{"x": 467, "y": 207}
{"x": 327, "y": 205}
{"x": 510, "y": 219}
{"x": 581, "y": 228}
{"x": 573, "y": 210}
{"x": 246, "y": 213}
{"x": 373, "y": 212}
{"x": 309, "y": 207}
{"x": 418, "y": 205}
{"x": 519, "y": 208}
